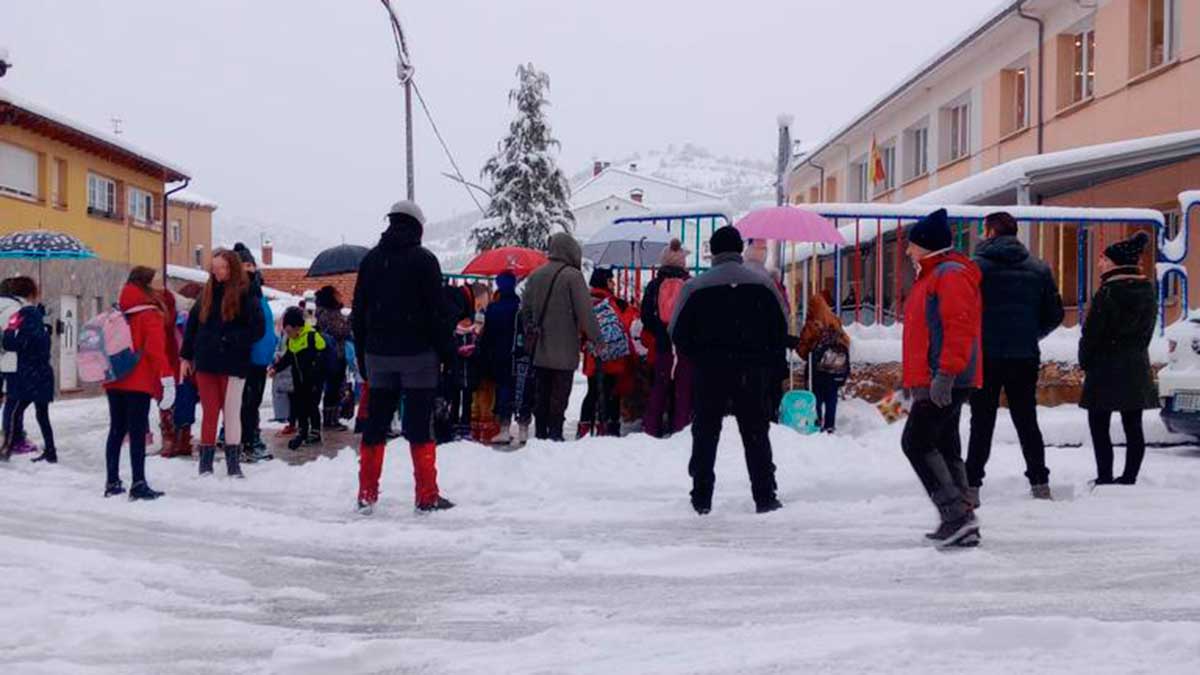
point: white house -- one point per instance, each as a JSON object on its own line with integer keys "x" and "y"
{"x": 619, "y": 191}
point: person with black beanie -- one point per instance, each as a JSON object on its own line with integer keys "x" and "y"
{"x": 402, "y": 332}
{"x": 731, "y": 323}
{"x": 1115, "y": 358}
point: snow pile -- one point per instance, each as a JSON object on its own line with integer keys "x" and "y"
{"x": 586, "y": 558}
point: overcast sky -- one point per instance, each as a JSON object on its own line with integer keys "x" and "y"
{"x": 288, "y": 111}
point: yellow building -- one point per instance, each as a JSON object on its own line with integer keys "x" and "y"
{"x": 59, "y": 175}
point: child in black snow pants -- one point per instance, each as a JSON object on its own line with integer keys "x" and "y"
{"x": 304, "y": 355}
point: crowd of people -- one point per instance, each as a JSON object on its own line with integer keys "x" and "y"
{"x": 468, "y": 362}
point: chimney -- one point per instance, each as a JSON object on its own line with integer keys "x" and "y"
{"x": 267, "y": 254}
{"x": 636, "y": 195}
{"x": 597, "y": 167}
{"x": 633, "y": 167}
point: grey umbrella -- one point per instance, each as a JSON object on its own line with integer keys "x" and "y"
{"x": 342, "y": 259}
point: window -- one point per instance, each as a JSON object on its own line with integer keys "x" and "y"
{"x": 888, "y": 154}
{"x": 955, "y": 133}
{"x": 176, "y": 231}
{"x": 58, "y": 182}
{"x": 859, "y": 190}
{"x": 18, "y": 171}
{"x": 1020, "y": 102}
{"x": 916, "y": 151}
{"x": 1164, "y": 38}
{"x": 198, "y": 256}
{"x": 1083, "y": 68}
{"x": 141, "y": 205}
{"x": 102, "y": 196}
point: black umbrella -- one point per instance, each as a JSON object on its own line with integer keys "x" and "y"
{"x": 341, "y": 259}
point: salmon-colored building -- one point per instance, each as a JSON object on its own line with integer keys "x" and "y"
{"x": 1045, "y": 102}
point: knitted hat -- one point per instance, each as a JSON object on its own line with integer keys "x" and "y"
{"x": 600, "y": 278}
{"x": 932, "y": 232}
{"x": 244, "y": 254}
{"x": 1129, "y": 251}
{"x": 674, "y": 255}
{"x": 726, "y": 240}
{"x": 293, "y": 316}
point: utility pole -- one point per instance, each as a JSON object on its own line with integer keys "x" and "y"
{"x": 404, "y": 72}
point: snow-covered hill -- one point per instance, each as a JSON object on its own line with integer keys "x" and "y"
{"x": 743, "y": 182}
{"x": 288, "y": 240}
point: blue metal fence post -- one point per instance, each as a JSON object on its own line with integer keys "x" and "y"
{"x": 1082, "y": 276}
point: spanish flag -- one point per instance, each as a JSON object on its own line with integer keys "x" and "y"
{"x": 877, "y": 173}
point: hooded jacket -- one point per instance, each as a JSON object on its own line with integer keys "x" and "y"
{"x": 1021, "y": 303}
{"x": 147, "y": 328}
{"x": 398, "y": 305}
{"x": 942, "y": 323}
{"x": 302, "y": 354}
{"x": 218, "y": 346}
{"x": 27, "y": 339}
{"x": 498, "y": 340}
{"x": 730, "y": 315}
{"x": 1115, "y": 341}
{"x": 568, "y": 306}
{"x": 262, "y": 352}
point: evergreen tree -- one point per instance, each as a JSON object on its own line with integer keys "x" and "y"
{"x": 529, "y": 191}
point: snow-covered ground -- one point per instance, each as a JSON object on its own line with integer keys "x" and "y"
{"x": 585, "y": 557}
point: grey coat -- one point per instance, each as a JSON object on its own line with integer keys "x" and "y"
{"x": 569, "y": 312}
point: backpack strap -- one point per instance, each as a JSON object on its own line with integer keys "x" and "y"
{"x": 549, "y": 294}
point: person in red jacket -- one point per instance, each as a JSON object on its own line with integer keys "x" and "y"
{"x": 129, "y": 397}
{"x": 943, "y": 362}
{"x": 601, "y": 410}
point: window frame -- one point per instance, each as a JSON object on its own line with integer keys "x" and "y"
{"x": 19, "y": 191}
{"x": 1170, "y": 27}
{"x": 138, "y": 200}
{"x": 175, "y": 230}
{"x": 109, "y": 208}
{"x": 1083, "y": 64}
{"x": 959, "y": 132}
{"x": 860, "y": 173}
{"x": 887, "y": 152}
{"x": 1021, "y": 99}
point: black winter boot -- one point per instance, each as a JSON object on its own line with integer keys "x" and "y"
{"x": 113, "y": 489}
{"x": 208, "y": 454}
{"x": 233, "y": 462}
{"x": 143, "y": 492}
{"x": 49, "y": 456}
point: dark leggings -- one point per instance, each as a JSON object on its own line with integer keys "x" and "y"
{"x": 128, "y": 415}
{"x": 1135, "y": 444}
{"x": 42, "y": 409}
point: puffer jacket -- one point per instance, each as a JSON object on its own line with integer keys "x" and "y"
{"x": 398, "y": 304}
{"x": 1114, "y": 345}
{"x": 9, "y": 306}
{"x": 302, "y": 357}
{"x": 147, "y": 329}
{"x": 1021, "y": 303}
{"x": 27, "y": 338}
{"x": 262, "y": 352}
{"x": 568, "y": 307}
{"x": 943, "y": 324}
{"x": 218, "y": 346}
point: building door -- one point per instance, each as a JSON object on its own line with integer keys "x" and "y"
{"x": 68, "y": 378}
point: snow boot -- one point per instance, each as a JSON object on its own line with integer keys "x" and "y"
{"x": 1041, "y": 492}
{"x": 49, "y": 456}
{"x": 247, "y": 450}
{"x": 295, "y": 442}
{"x": 439, "y": 504}
{"x": 233, "y": 462}
{"x": 768, "y": 506}
{"x": 166, "y": 429}
{"x": 522, "y": 433}
{"x": 1121, "y": 480}
{"x": 208, "y": 454}
{"x": 701, "y": 499}
{"x": 330, "y": 420}
{"x": 951, "y": 532}
{"x": 143, "y": 492}
{"x": 183, "y": 442}
{"x": 114, "y": 489}
{"x": 313, "y": 438}
{"x": 365, "y": 508}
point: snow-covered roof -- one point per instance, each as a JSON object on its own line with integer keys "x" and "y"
{"x": 282, "y": 260}
{"x": 1005, "y": 9}
{"x": 1190, "y": 197}
{"x": 686, "y": 210}
{"x": 610, "y": 198}
{"x": 100, "y": 136}
{"x": 193, "y": 199}
{"x": 633, "y": 177}
{"x": 1008, "y": 175}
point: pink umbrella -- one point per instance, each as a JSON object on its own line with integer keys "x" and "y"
{"x": 788, "y": 223}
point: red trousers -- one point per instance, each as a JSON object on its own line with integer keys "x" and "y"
{"x": 220, "y": 394}
{"x": 370, "y": 466}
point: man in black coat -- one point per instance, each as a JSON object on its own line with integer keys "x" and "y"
{"x": 1021, "y": 305}
{"x": 731, "y": 323}
{"x": 402, "y": 331}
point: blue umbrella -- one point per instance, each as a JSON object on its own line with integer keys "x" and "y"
{"x": 43, "y": 245}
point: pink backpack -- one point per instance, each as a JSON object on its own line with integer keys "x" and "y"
{"x": 106, "y": 351}
{"x": 668, "y": 297}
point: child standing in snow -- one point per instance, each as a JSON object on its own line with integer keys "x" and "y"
{"x": 824, "y": 339}
{"x": 497, "y": 347}
{"x": 303, "y": 356}
{"x": 26, "y": 336}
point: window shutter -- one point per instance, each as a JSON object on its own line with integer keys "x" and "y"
{"x": 18, "y": 170}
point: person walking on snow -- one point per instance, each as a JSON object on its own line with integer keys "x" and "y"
{"x": 221, "y": 330}
{"x": 26, "y": 336}
{"x": 1021, "y": 305}
{"x": 669, "y": 409}
{"x": 129, "y": 397}
{"x": 730, "y": 322}
{"x": 556, "y": 309}
{"x": 1115, "y": 358}
{"x": 401, "y": 330}
{"x": 942, "y": 363}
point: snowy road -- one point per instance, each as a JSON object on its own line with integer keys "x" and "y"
{"x": 586, "y": 558}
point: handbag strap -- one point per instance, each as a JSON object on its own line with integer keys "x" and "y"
{"x": 549, "y": 293}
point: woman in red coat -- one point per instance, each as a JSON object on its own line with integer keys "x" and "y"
{"x": 152, "y": 377}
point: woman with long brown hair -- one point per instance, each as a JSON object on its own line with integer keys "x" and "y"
{"x": 824, "y": 339}
{"x": 220, "y": 332}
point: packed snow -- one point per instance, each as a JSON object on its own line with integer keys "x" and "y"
{"x": 586, "y": 558}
